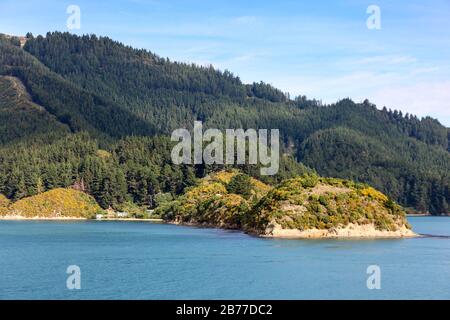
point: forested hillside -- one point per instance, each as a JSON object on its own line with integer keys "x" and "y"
{"x": 21, "y": 118}
{"x": 69, "y": 106}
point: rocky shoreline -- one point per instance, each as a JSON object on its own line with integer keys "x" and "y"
{"x": 350, "y": 231}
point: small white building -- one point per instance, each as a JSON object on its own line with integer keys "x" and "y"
{"x": 122, "y": 214}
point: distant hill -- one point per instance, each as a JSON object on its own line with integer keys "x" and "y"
{"x": 57, "y": 203}
{"x": 111, "y": 91}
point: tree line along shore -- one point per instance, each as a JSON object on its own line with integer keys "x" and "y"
{"x": 307, "y": 206}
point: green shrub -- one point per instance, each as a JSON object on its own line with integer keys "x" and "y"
{"x": 323, "y": 200}
{"x": 240, "y": 184}
{"x": 309, "y": 181}
{"x": 162, "y": 198}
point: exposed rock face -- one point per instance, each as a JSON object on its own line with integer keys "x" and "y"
{"x": 349, "y": 231}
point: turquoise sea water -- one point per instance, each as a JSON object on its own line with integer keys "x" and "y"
{"x": 141, "y": 260}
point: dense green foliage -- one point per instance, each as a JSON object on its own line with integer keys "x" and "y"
{"x": 310, "y": 202}
{"x": 65, "y": 100}
{"x": 306, "y": 202}
{"x": 110, "y": 92}
{"x": 136, "y": 169}
{"x": 213, "y": 202}
{"x": 29, "y": 119}
{"x": 240, "y": 184}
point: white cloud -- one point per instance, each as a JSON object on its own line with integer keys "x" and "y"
{"x": 431, "y": 98}
{"x": 422, "y": 99}
{"x": 332, "y": 88}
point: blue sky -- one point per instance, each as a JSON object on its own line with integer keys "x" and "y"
{"x": 322, "y": 49}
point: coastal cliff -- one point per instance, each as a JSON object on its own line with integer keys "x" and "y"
{"x": 302, "y": 207}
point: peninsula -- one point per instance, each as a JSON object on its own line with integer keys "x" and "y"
{"x": 303, "y": 207}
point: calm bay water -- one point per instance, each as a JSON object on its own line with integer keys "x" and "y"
{"x": 140, "y": 260}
